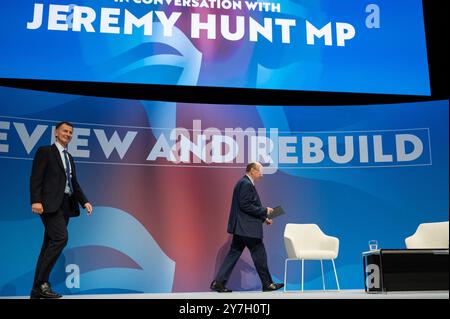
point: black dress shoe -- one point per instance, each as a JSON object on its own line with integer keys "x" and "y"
{"x": 44, "y": 291}
{"x": 34, "y": 294}
{"x": 219, "y": 287}
{"x": 273, "y": 287}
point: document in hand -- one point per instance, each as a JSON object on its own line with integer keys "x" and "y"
{"x": 277, "y": 211}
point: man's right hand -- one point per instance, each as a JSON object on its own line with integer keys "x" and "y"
{"x": 269, "y": 211}
{"x": 37, "y": 208}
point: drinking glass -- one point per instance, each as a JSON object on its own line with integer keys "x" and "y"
{"x": 373, "y": 244}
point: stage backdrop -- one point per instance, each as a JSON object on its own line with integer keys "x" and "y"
{"x": 160, "y": 177}
{"x": 322, "y": 45}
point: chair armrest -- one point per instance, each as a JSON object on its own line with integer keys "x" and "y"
{"x": 289, "y": 245}
{"x": 413, "y": 241}
{"x": 331, "y": 243}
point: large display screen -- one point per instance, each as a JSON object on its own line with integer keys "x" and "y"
{"x": 322, "y": 45}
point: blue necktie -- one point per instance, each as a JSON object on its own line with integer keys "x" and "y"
{"x": 69, "y": 180}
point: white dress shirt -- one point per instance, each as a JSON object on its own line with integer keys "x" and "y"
{"x": 63, "y": 159}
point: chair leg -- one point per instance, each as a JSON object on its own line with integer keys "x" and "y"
{"x": 303, "y": 266}
{"x": 285, "y": 273}
{"x": 323, "y": 279}
{"x": 335, "y": 275}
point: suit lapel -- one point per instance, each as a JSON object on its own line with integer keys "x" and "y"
{"x": 254, "y": 190}
{"x": 58, "y": 157}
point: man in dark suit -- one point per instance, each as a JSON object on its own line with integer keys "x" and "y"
{"x": 245, "y": 223}
{"x": 55, "y": 195}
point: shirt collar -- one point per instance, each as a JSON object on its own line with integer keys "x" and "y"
{"x": 60, "y": 147}
{"x": 251, "y": 180}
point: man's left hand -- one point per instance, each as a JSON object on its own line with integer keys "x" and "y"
{"x": 268, "y": 221}
{"x": 88, "y": 206}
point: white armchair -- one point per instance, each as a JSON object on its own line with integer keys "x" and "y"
{"x": 429, "y": 236}
{"x": 308, "y": 242}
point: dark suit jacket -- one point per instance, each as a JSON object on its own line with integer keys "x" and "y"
{"x": 48, "y": 181}
{"x": 246, "y": 213}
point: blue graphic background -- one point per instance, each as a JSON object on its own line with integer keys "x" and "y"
{"x": 163, "y": 228}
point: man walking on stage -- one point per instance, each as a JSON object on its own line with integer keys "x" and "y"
{"x": 55, "y": 195}
{"x": 245, "y": 223}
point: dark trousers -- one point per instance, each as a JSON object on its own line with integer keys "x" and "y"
{"x": 55, "y": 239}
{"x": 258, "y": 253}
